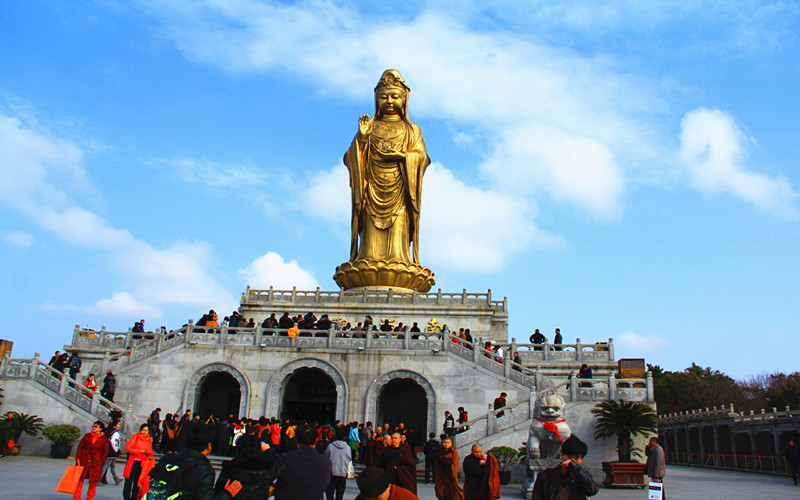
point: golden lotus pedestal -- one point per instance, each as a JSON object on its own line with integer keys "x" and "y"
{"x": 379, "y": 273}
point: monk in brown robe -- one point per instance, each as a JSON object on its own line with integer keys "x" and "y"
{"x": 399, "y": 463}
{"x": 446, "y": 478}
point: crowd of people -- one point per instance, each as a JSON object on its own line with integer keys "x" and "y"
{"x": 284, "y": 459}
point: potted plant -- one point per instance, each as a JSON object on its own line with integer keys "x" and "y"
{"x": 14, "y": 425}
{"x": 624, "y": 420}
{"x": 506, "y": 457}
{"x": 62, "y": 437}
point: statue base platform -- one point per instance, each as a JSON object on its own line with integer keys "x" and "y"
{"x": 381, "y": 273}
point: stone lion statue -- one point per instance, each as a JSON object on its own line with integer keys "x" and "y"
{"x": 548, "y": 429}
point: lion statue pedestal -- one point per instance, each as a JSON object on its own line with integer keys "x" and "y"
{"x": 545, "y": 435}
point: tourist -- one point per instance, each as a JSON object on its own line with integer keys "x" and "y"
{"x": 585, "y": 373}
{"x": 374, "y": 483}
{"x": 366, "y": 437}
{"x": 399, "y": 462}
{"x": 468, "y": 338}
{"x": 138, "y": 327}
{"x": 109, "y": 386}
{"x": 537, "y": 339}
{"x": 115, "y": 442}
{"x": 90, "y": 384}
{"x": 656, "y": 462}
{"x": 353, "y": 438}
{"x": 431, "y": 451}
{"x": 499, "y": 403}
{"x": 197, "y": 475}
{"x": 139, "y": 449}
{"x": 567, "y": 479}
{"x": 446, "y": 476}
{"x": 517, "y": 366}
{"x": 481, "y": 476}
{"x": 463, "y": 417}
{"x": 449, "y": 424}
{"x": 558, "y": 339}
{"x": 255, "y": 467}
{"x": 154, "y": 423}
{"x": 340, "y": 455}
{"x": 307, "y": 473}
{"x": 74, "y": 365}
{"x": 91, "y": 455}
{"x": 386, "y": 326}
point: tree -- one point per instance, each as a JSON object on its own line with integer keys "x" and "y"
{"x": 624, "y": 420}
{"x": 694, "y": 388}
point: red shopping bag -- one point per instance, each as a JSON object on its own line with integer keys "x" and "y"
{"x": 70, "y": 479}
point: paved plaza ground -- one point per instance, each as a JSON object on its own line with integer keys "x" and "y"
{"x": 36, "y": 478}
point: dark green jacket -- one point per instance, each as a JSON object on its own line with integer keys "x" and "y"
{"x": 198, "y": 482}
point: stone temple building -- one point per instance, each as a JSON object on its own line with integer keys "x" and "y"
{"x": 382, "y": 377}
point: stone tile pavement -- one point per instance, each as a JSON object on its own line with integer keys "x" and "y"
{"x": 37, "y": 477}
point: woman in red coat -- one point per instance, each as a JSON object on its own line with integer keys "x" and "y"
{"x": 140, "y": 449}
{"x": 91, "y": 455}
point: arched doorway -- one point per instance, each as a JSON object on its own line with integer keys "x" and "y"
{"x": 219, "y": 394}
{"x": 310, "y": 394}
{"x": 404, "y": 401}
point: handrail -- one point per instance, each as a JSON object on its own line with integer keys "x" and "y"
{"x": 60, "y": 384}
{"x": 255, "y": 296}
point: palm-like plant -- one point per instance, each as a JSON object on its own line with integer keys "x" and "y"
{"x": 624, "y": 420}
{"x": 22, "y": 423}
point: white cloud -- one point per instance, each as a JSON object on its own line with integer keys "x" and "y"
{"x": 19, "y": 239}
{"x": 271, "y": 270}
{"x": 123, "y": 304}
{"x": 579, "y": 170}
{"x": 471, "y": 229}
{"x": 211, "y": 173}
{"x": 563, "y": 123}
{"x": 328, "y": 195}
{"x": 634, "y": 344}
{"x": 714, "y": 150}
{"x": 39, "y": 172}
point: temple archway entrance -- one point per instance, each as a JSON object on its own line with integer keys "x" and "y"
{"x": 219, "y": 395}
{"x": 404, "y": 401}
{"x": 310, "y": 394}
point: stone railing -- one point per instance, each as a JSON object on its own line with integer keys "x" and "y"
{"x": 365, "y": 296}
{"x": 530, "y": 354}
{"x": 59, "y": 386}
{"x": 728, "y": 413}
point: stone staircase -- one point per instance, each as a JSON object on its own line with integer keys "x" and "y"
{"x": 59, "y": 388}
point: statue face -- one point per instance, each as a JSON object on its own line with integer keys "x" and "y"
{"x": 390, "y": 100}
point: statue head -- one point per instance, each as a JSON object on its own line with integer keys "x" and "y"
{"x": 549, "y": 407}
{"x": 391, "y": 94}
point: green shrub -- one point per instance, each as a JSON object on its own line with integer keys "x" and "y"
{"x": 60, "y": 435}
{"x": 506, "y": 456}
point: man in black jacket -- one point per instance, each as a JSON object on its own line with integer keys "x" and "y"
{"x": 567, "y": 478}
{"x": 307, "y": 473}
{"x": 431, "y": 451}
{"x": 197, "y": 481}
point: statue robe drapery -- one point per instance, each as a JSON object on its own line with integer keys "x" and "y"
{"x": 386, "y": 193}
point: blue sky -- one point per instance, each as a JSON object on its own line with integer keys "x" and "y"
{"x": 616, "y": 169}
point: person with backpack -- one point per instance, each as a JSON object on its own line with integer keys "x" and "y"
{"x": 115, "y": 441}
{"x": 189, "y": 473}
{"x": 74, "y": 365}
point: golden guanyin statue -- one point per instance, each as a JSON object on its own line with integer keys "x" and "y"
{"x": 386, "y": 160}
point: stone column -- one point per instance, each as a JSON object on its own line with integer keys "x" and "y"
{"x": 612, "y": 387}
{"x": 491, "y": 421}
{"x": 34, "y": 366}
{"x": 611, "y": 352}
{"x": 717, "y": 454}
{"x": 651, "y": 397}
{"x": 259, "y": 335}
{"x": 476, "y": 349}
